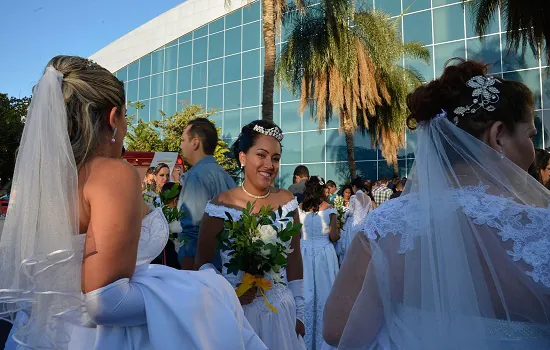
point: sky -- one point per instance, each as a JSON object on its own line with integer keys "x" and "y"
{"x": 34, "y": 31}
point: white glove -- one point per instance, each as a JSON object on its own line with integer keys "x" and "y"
{"x": 297, "y": 289}
{"x": 120, "y": 303}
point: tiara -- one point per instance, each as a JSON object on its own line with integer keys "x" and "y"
{"x": 273, "y": 132}
{"x": 484, "y": 94}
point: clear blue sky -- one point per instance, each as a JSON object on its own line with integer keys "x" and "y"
{"x": 33, "y": 31}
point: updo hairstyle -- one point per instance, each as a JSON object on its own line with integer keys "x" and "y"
{"x": 248, "y": 137}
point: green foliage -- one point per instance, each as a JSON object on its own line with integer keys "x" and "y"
{"x": 165, "y": 135}
{"x": 250, "y": 250}
{"x": 12, "y": 115}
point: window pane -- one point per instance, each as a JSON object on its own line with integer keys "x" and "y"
{"x": 183, "y": 99}
{"x": 415, "y": 5}
{"x": 186, "y": 37}
{"x": 231, "y": 123}
{"x": 292, "y": 149}
{"x": 198, "y": 97}
{"x": 418, "y": 27}
{"x": 538, "y": 139}
{"x": 251, "y": 92}
{"x": 158, "y": 61}
{"x": 251, "y": 64}
{"x": 215, "y": 46}
{"x": 156, "y": 85}
{"x": 251, "y": 36}
{"x": 336, "y": 146}
{"x": 446, "y": 51}
{"x": 145, "y": 66}
{"x": 515, "y": 60}
{"x": 169, "y": 105}
{"x": 133, "y": 70}
{"x": 546, "y": 92}
{"x": 233, "y": 41}
{"x": 309, "y": 122}
{"x": 172, "y": 43}
{"x": 122, "y": 74}
{"x": 285, "y": 175}
{"x": 233, "y": 19}
{"x": 202, "y": 31}
{"x": 252, "y": 12}
{"x": 233, "y": 68}
{"x": 425, "y": 69}
{"x": 215, "y": 98}
{"x": 144, "y": 88}
{"x": 132, "y": 91}
{"x": 232, "y": 96}
{"x": 287, "y": 95}
{"x": 391, "y": 7}
{"x": 531, "y": 78}
{"x": 316, "y": 169}
{"x": 338, "y": 172}
{"x": 442, "y": 2}
{"x": 156, "y": 107}
{"x": 131, "y": 112}
{"x": 369, "y": 170}
{"x": 170, "y": 81}
{"x": 199, "y": 75}
{"x": 448, "y": 23}
{"x": 143, "y": 113}
{"x": 199, "y": 50}
{"x": 217, "y": 25}
{"x": 277, "y": 113}
{"x": 185, "y": 54}
{"x": 249, "y": 114}
{"x": 314, "y": 146}
{"x": 171, "y": 58}
{"x": 411, "y": 143}
{"x": 184, "y": 79}
{"x": 215, "y": 72}
{"x": 216, "y": 118}
{"x": 363, "y": 147}
{"x": 470, "y": 24}
{"x": 487, "y": 51}
{"x": 290, "y": 118}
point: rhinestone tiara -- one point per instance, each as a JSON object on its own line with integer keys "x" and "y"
{"x": 273, "y": 132}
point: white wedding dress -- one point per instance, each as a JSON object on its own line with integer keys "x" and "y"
{"x": 320, "y": 269}
{"x": 185, "y": 310}
{"x": 276, "y": 330}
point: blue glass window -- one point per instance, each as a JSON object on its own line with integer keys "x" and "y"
{"x": 391, "y": 7}
{"x": 215, "y": 46}
{"x": 252, "y": 36}
{"x": 133, "y": 70}
{"x": 252, "y": 12}
{"x": 444, "y": 52}
{"x": 170, "y": 82}
{"x": 448, "y": 23}
{"x": 199, "y": 75}
{"x": 200, "y": 49}
{"x": 486, "y": 50}
{"x": 231, "y": 123}
{"x": 145, "y": 66}
{"x": 171, "y": 58}
{"x": 314, "y": 146}
{"x": 156, "y": 85}
{"x": 233, "y": 41}
{"x": 200, "y": 32}
{"x": 198, "y": 97}
{"x": 156, "y": 108}
{"x": 215, "y": 97}
{"x": 215, "y": 72}
{"x": 184, "y": 79}
{"x": 169, "y": 104}
{"x": 251, "y": 64}
{"x": 132, "y": 91}
{"x": 290, "y": 116}
{"x": 185, "y": 54}
{"x": 144, "y": 88}
{"x": 217, "y": 25}
{"x": 233, "y": 68}
{"x": 158, "y": 61}
{"x": 249, "y": 114}
{"x": 418, "y": 27}
{"x": 292, "y": 149}
{"x": 251, "y": 92}
{"x": 233, "y": 19}
{"x": 232, "y": 95}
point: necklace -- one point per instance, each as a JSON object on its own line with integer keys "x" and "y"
{"x": 255, "y": 196}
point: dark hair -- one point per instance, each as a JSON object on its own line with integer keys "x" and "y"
{"x": 301, "y": 171}
{"x": 402, "y": 182}
{"x": 345, "y": 187}
{"x": 159, "y": 167}
{"x": 167, "y": 187}
{"x": 331, "y": 183}
{"x": 248, "y": 137}
{"x": 150, "y": 171}
{"x": 313, "y": 194}
{"x": 542, "y": 158}
{"x": 359, "y": 183}
{"x": 206, "y": 131}
{"x": 450, "y": 91}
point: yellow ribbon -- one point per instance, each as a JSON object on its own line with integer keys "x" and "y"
{"x": 261, "y": 283}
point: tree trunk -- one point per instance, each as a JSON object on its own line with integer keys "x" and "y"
{"x": 349, "y": 133}
{"x": 268, "y": 13}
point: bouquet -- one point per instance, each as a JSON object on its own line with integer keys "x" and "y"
{"x": 339, "y": 205}
{"x": 258, "y": 247}
{"x": 171, "y": 212}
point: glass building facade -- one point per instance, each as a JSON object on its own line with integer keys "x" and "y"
{"x": 220, "y": 67}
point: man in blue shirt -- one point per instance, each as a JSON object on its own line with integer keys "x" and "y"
{"x": 203, "y": 182}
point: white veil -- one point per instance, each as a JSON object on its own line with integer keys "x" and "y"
{"x": 360, "y": 205}
{"x": 460, "y": 261}
{"x": 39, "y": 267}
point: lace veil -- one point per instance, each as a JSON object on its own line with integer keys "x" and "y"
{"x": 460, "y": 261}
{"x": 39, "y": 267}
{"x": 359, "y": 207}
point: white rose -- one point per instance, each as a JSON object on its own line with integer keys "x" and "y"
{"x": 276, "y": 277}
{"x": 265, "y": 253}
{"x": 268, "y": 234}
{"x": 175, "y": 227}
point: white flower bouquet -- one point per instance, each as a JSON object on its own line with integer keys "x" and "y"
{"x": 341, "y": 208}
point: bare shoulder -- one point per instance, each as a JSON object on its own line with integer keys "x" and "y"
{"x": 284, "y": 195}
{"x": 113, "y": 175}
{"x": 227, "y": 197}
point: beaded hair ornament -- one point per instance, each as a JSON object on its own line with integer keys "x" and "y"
{"x": 485, "y": 95}
{"x": 273, "y": 132}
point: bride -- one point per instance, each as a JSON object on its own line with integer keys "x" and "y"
{"x": 74, "y": 225}
{"x": 461, "y": 260}
{"x": 258, "y": 150}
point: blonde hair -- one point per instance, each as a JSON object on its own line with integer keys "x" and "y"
{"x": 89, "y": 91}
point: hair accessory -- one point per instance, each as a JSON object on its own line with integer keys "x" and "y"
{"x": 321, "y": 181}
{"x": 114, "y": 134}
{"x": 484, "y": 93}
{"x": 273, "y": 132}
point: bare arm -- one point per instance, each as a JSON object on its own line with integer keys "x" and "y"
{"x": 334, "y": 234}
{"x": 294, "y": 268}
{"x": 206, "y": 246}
{"x": 114, "y": 195}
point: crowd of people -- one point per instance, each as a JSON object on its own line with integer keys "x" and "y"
{"x": 454, "y": 257}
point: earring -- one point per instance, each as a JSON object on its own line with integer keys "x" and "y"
{"x": 114, "y": 134}
{"x": 501, "y": 155}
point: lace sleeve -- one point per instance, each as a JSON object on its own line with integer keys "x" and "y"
{"x": 220, "y": 211}
{"x": 290, "y": 207}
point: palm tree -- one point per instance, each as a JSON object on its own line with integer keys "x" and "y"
{"x": 272, "y": 15}
{"x": 527, "y": 22}
{"x": 350, "y": 63}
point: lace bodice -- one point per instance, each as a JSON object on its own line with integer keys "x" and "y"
{"x": 219, "y": 211}
{"x": 152, "y": 240}
{"x": 524, "y": 227}
{"x": 316, "y": 225}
